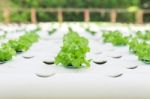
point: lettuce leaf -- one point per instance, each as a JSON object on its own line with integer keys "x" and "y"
{"x": 73, "y": 52}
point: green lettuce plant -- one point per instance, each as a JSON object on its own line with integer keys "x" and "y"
{"x": 24, "y": 42}
{"x": 144, "y": 36}
{"x": 115, "y": 37}
{"x": 50, "y": 32}
{"x": 90, "y": 31}
{"x": 8, "y": 50}
{"x": 141, "y": 49}
{"x": 133, "y": 43}
{"x": 143, "y": 52}
{"x": 73, "y": 52}
{"x": 6, "y": 53}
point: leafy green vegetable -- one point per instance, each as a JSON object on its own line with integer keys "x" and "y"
{"x": 133, "y": 44}
{"x": 30, "y": 37}
{"x": 6, "y": 53}
{"x": 52, "y": 31}
{"x": 145, "y": 36}
{"x": 19, "y": 45}
{"x": 141, "y": 49}
{"x": 24, "y": 42}
{"x": 115, "y": 37}
{"x": 8, "y": 50}
{"x": 73, "y": 52}
{"x": 90, "y": 31}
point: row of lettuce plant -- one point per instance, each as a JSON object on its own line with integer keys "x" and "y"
{"x": 115, "y": 37}
{"x": 139, "y": 47}
{"x": 144, "y": 36}
{"x": 23, "y": 43}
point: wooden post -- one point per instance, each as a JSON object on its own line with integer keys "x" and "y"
{"x": 6, "y": 15}
{"x": 60, "y": 16}
{"x": 139, "y": 17}
{"x": 113, "y": 16}
{"x": 33, "y": 16}
{"x": 86, "y": 15}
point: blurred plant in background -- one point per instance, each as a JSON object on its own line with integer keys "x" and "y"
{"x": 131, "y": 5}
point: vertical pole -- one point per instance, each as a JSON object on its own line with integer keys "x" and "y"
{"x": 113, "y": 16}
{"x": 139, "y": 17}
{"x": 33, "y": 16}
{"x": 60, "y": 16}
{"x": 6, "y": 15}
{"x": 86, "y": 15}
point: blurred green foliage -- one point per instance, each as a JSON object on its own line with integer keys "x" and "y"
{"x": 77, "y": 3}
{"x": 20, "y": 17}
{"x": 73, "y": 16}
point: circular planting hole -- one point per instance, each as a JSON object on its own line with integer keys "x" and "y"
{"x": 132, "y": 67}
{"x": 48, "y": 62}
{"x": 116, "y": 75}
{"x": 28, "y": 56}
{"x": 2, "y": 62}
{"x": 100, "y": 62}
{"x": 45, "y": 75}
{"x": 119, "y": 56}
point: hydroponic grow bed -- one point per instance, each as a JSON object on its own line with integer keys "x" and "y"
{"x": 118, "y": 75}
